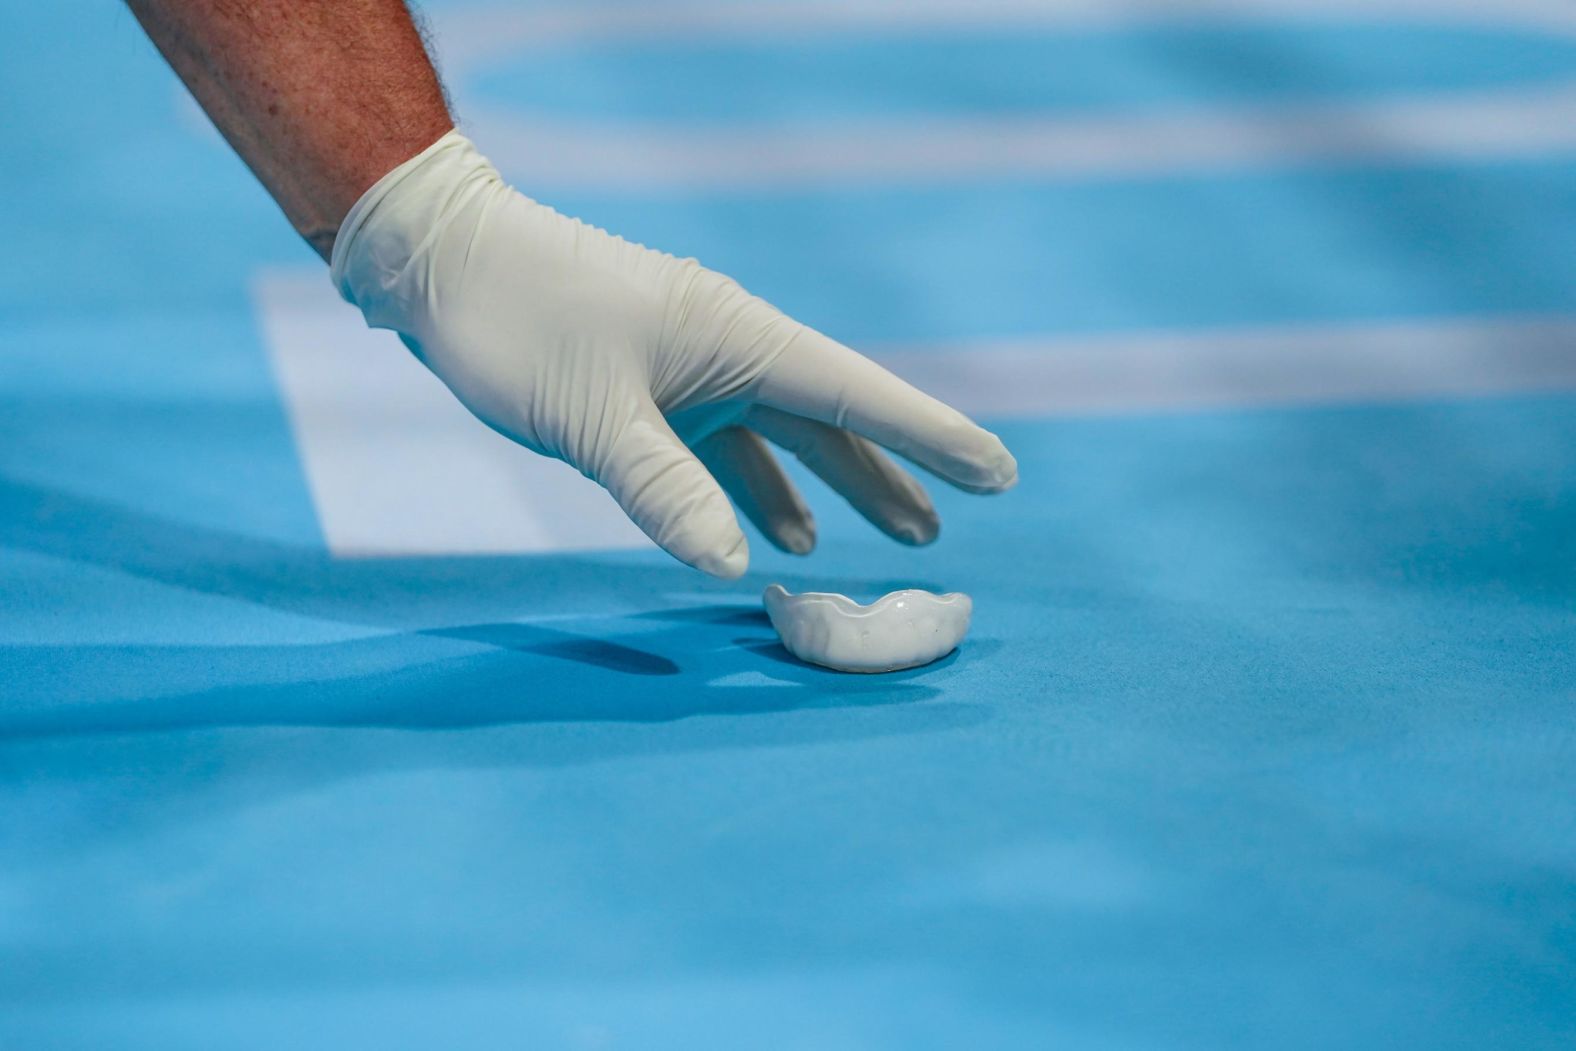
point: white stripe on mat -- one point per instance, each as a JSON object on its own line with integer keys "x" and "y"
{"x": 1248, "y": 368}
{"x": 548, "y": 155}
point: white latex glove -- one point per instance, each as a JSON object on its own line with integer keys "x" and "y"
{"x": 580, "y": 345}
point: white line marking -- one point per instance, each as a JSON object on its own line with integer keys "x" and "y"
{"x": 397, "y": 467}
{"x": 1292, "y": 365}
{"x": 544, "y": 154}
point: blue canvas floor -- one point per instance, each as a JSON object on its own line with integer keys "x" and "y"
{"x": 1263, "y": 736}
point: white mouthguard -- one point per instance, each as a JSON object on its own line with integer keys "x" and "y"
{"x": 902, "y": 630}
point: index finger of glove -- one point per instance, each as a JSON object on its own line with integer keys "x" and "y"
{"x": 820, "y": 378}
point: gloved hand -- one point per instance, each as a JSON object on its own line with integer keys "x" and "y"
{"x": 638, "y": 368}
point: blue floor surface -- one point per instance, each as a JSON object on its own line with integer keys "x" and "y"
{"x": 1263, "y": 737}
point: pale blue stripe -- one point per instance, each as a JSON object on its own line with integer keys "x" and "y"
{"x": 816, "y": 79}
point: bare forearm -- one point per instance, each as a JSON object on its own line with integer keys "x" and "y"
{"x": 319, "y": 97}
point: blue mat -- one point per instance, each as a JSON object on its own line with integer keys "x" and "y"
{"x": 1263, "y": 737}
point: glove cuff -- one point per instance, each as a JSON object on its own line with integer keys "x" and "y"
{"x": 387, "y": 227}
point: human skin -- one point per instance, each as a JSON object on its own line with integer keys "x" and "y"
{"x": 320, "y": 98}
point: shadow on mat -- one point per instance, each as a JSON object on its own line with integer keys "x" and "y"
{"x": 433, "y": 662}
{"x": 419, "y": 594}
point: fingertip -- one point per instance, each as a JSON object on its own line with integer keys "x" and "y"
{"x": 729, "y": 565}
{"x": 918, "y": 532}
{"x": 1003, "y": 468}
{"x": 795, "y": 539}
{"x": 995, "y": 470}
